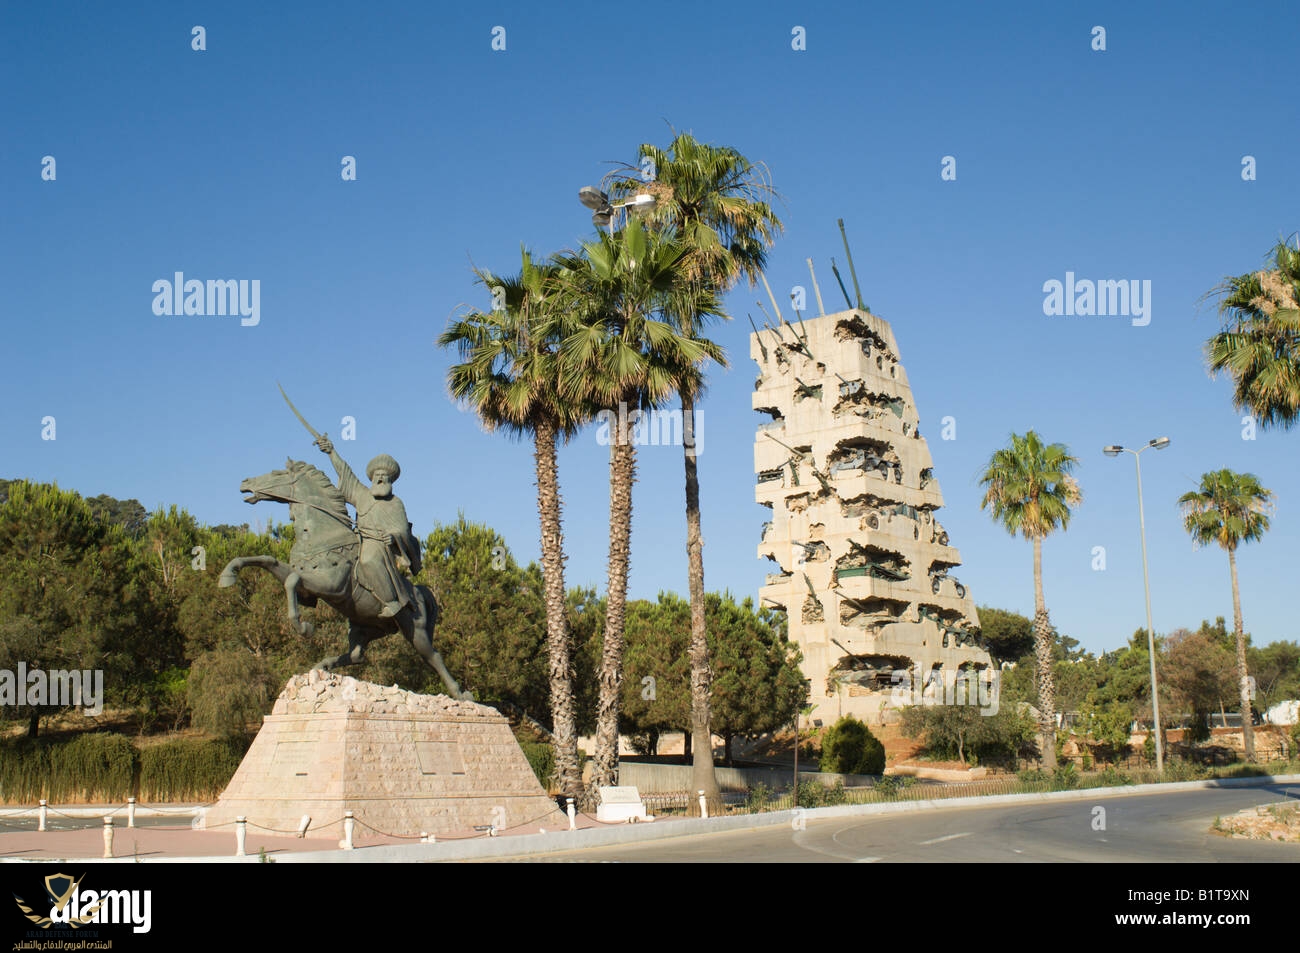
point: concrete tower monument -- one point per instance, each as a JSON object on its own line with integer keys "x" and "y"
{"x": 864, "y": 567}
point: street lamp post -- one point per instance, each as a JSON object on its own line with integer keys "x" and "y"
{"x": 1114, "y": 451}
{"x": 603, "y": 212}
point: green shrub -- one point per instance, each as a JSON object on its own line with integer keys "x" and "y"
{"x": 189, "y": 769}
{"x": 104, "y": 767}
{"x": 1033, "y": 776}
{"x": 24, "y": 771}
{"x": 887, "y": 786}
{"x": 759, "y": 797}
{"x": 849, "y": 747}
{"x": 1179, "y": 769}
{"x": 93, "y": 767}
{"x": 1110, "y": 777}
{"x": 541, "y": 758}
{"x": 1066, "y": 777}
{"x": 891, "y": 784}
{"x": 816, "y": 794}
{"x": 96, "y": 766}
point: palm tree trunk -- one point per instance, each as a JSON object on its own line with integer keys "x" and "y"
{"x": 703, "y": 777}
{"x": 559, "y": 647}
{"x": 622, "y": 473}
{"x": 1247, "y": 728}
{"x": 1043, "y": 658}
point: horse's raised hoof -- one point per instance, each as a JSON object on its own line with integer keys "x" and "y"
{"x": 226, "y": 579}
{"x": 305, "y": 628}
{"x": 467, "y": 696}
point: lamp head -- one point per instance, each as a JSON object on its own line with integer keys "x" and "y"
{"x": 1159, "y": 443}
{"x": 1114, "y": 450}
{"x": 592, "y": 197}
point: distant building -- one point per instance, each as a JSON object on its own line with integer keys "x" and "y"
{"x": 1283, "y": 713}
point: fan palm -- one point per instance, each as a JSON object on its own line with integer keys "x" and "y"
{"x": 619, "y": 354}
{"x": 1030, "y": 489}
{"x": 715, "y": 202}
{"x": 509, "y": 376}
{"x": 1230, "y": 509}
{"x": 1259, "y": 345}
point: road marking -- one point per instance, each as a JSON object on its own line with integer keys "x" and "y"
{"x": 940, "y": 840}
{"x": 866, "y": 860}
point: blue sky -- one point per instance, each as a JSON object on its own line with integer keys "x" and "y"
{"x": 225, "y": 163}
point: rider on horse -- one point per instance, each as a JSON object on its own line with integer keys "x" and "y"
{"x": 388, "y": 545}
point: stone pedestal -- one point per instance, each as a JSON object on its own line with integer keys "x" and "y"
{"x": 403, "y": 763}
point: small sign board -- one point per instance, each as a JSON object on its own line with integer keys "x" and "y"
{"x": 620, "y": 804}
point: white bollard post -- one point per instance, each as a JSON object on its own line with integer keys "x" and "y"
{"x": 130, "y": 812}
{"x": 349, "y": 824}
{"x": 45, "y": 808}
{"x": 108, "y": 837}
{"x": 573, "y": 816}
{"x": 704, "y": 806}
{"x": 241, "y": 836}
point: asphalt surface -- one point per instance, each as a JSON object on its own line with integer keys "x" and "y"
{"x": 1147, "y": 828}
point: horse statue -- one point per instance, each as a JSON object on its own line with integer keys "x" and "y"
{"x": 323, "y": 564}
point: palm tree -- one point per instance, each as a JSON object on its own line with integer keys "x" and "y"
{"x": 1031, "y": 490}
{"x": 509, "y": 377}
{"x": 715, "y": 201}
{"x": 1259, "y": 345}
{"x": 618, "y": 354}
{"x": 1230, "y": 509}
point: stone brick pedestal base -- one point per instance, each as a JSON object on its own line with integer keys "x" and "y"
{"x": 403, "y": 763}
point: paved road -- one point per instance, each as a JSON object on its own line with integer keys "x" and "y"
{"x": 1161, "y": 828}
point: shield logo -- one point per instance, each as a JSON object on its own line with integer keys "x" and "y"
{"x": 60, "y": 887}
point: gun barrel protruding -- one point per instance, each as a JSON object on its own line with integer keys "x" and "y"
{"x": 821, "y": 309}
{"x": 757, "y": 335}
{"x": 845, "y": 291}
{"x": 852, "y": 271}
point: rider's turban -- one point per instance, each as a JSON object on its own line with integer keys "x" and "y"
{"x": 383, "y": 462}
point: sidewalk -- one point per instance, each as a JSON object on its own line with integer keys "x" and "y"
{"x": 180, "y": 841}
